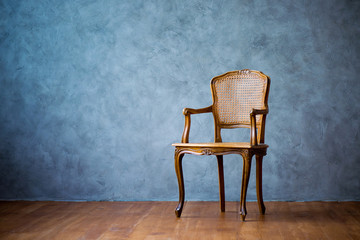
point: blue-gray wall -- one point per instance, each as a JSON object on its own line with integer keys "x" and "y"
{"x": 91, "y": 96}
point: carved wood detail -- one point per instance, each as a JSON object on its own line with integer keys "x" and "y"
{"x": 220, "y": 151}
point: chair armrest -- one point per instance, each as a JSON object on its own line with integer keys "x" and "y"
{"x": 187, "y": 112}
{"x": 259, "y": 111}
{"x": 253, "y": 134}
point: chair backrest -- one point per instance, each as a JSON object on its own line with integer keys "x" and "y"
{"x": 235, "y": 94}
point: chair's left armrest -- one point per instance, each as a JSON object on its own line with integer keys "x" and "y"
{"x": 187, "y": 112}
{"x": 253, "y": 134}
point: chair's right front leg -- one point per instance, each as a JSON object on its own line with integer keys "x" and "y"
{"x": 179, "y": 173}
{"x": 245, "y": 182}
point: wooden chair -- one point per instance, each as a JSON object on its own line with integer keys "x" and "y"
{"x": 239, "y": 100}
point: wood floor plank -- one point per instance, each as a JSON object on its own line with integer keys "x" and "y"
{"x": 156, "y": 220}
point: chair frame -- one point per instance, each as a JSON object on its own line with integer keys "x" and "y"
{"x": 218, "y": 148}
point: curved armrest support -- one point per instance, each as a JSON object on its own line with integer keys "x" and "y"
{"x": 187, "y": 112}
{"x": 253, "y": 134}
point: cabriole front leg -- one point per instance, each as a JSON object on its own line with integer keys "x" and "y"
{"x": 245, "y": 183}
{"x": 179, "y": 173}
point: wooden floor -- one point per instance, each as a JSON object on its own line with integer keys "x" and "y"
{"x": 156, "y": 220}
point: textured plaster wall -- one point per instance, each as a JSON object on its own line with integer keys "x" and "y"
{"x": 91, "y": 96}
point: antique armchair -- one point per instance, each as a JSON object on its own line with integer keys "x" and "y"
{"x": 239, "y": 100}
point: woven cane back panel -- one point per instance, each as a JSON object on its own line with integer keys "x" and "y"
{"x": 235, "y": 94}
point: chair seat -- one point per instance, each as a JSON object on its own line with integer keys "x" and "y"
{"x": 242, "y": 145}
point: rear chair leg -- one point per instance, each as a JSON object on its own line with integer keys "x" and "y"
{"x": 259, "y": 160}
{"x": 221, "y": 182}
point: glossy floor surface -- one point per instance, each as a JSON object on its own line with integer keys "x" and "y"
{"x": 156, "y": 220}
